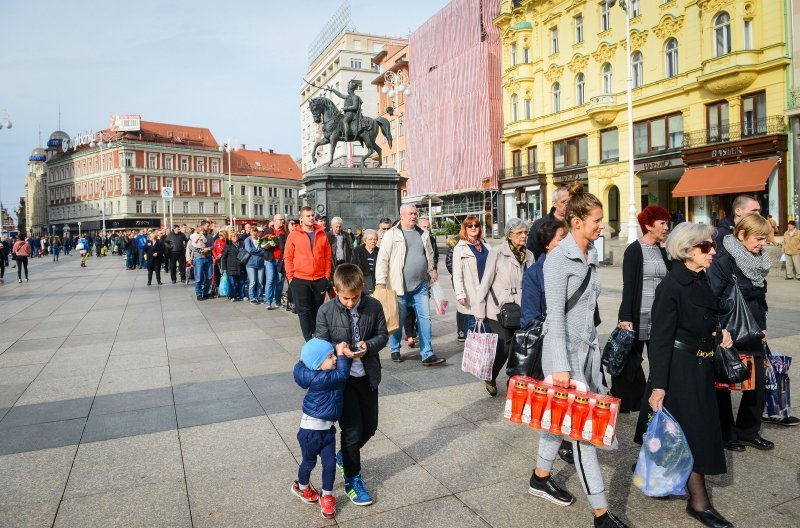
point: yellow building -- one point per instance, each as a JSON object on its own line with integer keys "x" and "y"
{"x": 709, "y": 96}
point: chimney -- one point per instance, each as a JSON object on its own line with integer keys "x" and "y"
{"x": 241, "y": 146}
{"x": 271, "y": 151}
{"x": 260, "y": 150}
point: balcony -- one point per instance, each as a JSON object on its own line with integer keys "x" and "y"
{"x": 731, "y": 72}
{"x": 510, "y": 173}
{"x": 603, "y": 109}
{"x": 734, "y": 132}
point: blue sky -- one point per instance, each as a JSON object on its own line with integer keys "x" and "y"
{"x": 235, "y": 67}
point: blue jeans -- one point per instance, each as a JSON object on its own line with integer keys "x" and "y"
{"x": 469, "y": 325}
{"x": 419, "y": 300}
{"x": 255, "y": 276}
{"x": 274, "y": 283}
{"x": 202, "y": 275}
{"x": 128, "y": 258}
{"x": 235, "y": 282}
{"x": 140, "y": 255}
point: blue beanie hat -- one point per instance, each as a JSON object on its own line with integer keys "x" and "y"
{"x": 314, "y": 352}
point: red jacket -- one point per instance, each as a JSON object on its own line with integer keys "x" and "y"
{"x": 301, "y": 262}
{"x": 219, "y": 246}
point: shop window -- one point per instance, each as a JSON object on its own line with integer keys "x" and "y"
{"x": 754, "y": 114}
{"x": 717, "y": 122}
{"x": 609, "y": 145}
{"x": 570, "y": 152}
{"x": 722, "y": 34}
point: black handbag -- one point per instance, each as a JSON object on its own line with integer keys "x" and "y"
{"x": 616, "y": 351}
{"x": 739, "y": 320}
{"x": 728, "y": 366}
{"x": 243, "y": 255}
{"x": 509, "y": 314}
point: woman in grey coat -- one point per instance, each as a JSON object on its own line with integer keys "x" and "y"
{"x": 570, "y": 348}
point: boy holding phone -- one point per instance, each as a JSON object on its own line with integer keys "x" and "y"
{"x": 356, "y": 323}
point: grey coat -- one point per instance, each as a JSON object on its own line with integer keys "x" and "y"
{"x": 570, "y": 342}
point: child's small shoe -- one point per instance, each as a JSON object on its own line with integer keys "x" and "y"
{"x": 308, "y": 495}
{"x": 328, "y": 505}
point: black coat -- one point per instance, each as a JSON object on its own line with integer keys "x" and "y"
{"x": 632, "y": 278}
{"x": 176, "y": 242}
{"x": 229, "y": 259}
{"x": 348, "y": 247}
{"x": 684, "y": 309}
{"x": 724, "y": 228}
{"x": 334, "y": 324}
{"x": 154, "y": 251}
{"x": 360, "y": 259}
{"x": 532, "y": 244}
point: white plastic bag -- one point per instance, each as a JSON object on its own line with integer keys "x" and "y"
{"x": 440, "y": 303}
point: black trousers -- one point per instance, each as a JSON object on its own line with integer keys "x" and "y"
{"x": 358, "y": 423}
{"x": 22, "y": 262}
{"x": 504, "y": 338}
{"x": 410, "y": 323}
{"x": 177, "y": 262}
{"x": 629, "y": 385}
{"x": 748, "y": 419}
{"x": 308, "y": 297}
{"x": 154, "y": 264}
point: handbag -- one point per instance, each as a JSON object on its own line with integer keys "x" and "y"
{"x": 509, "y": 314}
{"x": 479, "y": 351}
{"x": 616, "y": 351}
{"x": 224, "y": 285}
{"x": 243, "y": 255}
{"x": 776, "y": 386}
{"x": 728, "y": 366}
{"x": 739, "y": 320}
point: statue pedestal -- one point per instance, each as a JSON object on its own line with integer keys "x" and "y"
{"x": 360, "y": 196}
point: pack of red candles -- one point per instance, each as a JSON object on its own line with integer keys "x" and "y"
{"x": 571, "y": 412}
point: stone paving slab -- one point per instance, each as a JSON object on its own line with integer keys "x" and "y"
{"x": 123, "y": 405}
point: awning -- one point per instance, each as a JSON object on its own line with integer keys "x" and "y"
{"x": 725, "y": 179}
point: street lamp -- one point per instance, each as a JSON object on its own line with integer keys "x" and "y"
{"x": 79, "y": 230}
{"x": 632, "y": 232}
{"x": 6, "y": 122}
{"x": 103, "y": 142}
{"x": 398, "y": 86}
{"x": 227, "y": 147}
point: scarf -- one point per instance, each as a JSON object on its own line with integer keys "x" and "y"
{"x": 519, "y": 254}
{"x": 754, "y": 267}
{"x": 477, "y": 245}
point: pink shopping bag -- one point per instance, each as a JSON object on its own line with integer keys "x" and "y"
{"x": 479, "y": 351}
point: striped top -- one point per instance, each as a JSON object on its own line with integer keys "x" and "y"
{"x": 654, "y": 269}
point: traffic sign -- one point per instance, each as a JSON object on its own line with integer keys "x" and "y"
{"x": 166, "y": 192}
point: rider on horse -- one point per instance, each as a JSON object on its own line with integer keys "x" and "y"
{"x": 351, "y": 109}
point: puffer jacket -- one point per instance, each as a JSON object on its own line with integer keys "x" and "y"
{"x": 229, "y": 259}
{"x": 325, "y": 397}
{"x": 334, "y": 324}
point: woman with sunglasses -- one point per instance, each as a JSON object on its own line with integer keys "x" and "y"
{"x": 681, "y": 354}
{"x": 469, "y": 263}
{"x": 745, "y": 262}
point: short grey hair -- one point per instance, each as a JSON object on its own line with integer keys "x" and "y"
{"x": 336, "y": 221}
{"x": 406, "y": 207}
{"x": 555, "y": 193}
{"x": 368, "y": 232}
{"x": 514, "y": 223}
{"x": 685, "y": 236}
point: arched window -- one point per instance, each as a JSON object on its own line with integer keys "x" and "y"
{"x": 607, "y": 80}
{"x": 556, "y": 97}
{"x": 637, "y": 69}
{"x": 580, "y": 89}
{"x": 514, "y": 108}
{"x": 722, "y": 34}
{"x": 671, "y": 57}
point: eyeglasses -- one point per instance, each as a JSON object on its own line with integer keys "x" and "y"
{"x": 706, "y": 246}
{"x": 469, "y": 226}
{"x": 519, "y": 233}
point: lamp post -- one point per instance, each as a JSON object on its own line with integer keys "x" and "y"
{"x": 103, "y": 142}
{"x": 227, "y": 147}
{"x": 79, "y": 230}
{"x": 632, "y": 232}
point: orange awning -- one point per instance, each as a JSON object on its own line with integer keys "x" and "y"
{"x": 725, "y": 179}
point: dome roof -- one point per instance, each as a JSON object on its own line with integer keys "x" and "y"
{"x": 57, "y": 138}
{"x": 38, "y": 154}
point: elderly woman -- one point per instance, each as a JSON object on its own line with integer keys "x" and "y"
{"x": 745, "y": 262}
{"x": 364, "y": 257}
{"x": 229, "y": 263}
{"x": 502, "y": 283}
{"x": 470, "y": 255}
{"x": 643, "y": 267}
{"x": 681, "y": 353}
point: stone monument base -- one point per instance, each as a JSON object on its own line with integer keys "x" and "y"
{"x": 360, "y": 196}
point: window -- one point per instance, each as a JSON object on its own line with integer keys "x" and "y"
{"x": 658, "y": 134}
{"x": 243, "y": 190}
{"x": 554, "y": 40}
{"x": 516, "y": 162}
{"x": 201, "y": 165}
{"x": 169, "y": 182}
{"x": 605, "y": 17}
{"x": 355, "y": 64}
{"x": 526, "y": 55}
{"x": 514, "y": 112}
{"x": 185, "y": 164}
{"x": 401, "y": 162}
{"x": 154, "y": 206}
{"x": 748, "y": 34}
{"x": 215, "y": 166}
{"x": 185, "y": 207}
{"x": 201, "y": 185}
{"x": 532, "y": 160}
{"x": 287, "y": 209}
{"x": 513, "y": 53}
{"x": 400, "y": 126}
{"x": 754, "y": 114}
{"x": 637, "y": 69}
{"x": 153, "y": 161}
{"x": 635, "y": 11}
{"x": 357, "y": 85}
{"x": 717, "y": 122}
{"x": 607, "y": 78}
{"x": 214, "y": 186}
{"x": 128, "y": 160}
{"x": 570, "y": 152}
{"x": 168, "y": 162}
{"x": 201, "y": 208}
{"x": 722, "y": 34}
{"x": 609, "y": 145}
{"x": 184, "y": 185}
{"x": 556, "y": 97}
{"x": 578, "y": 29}
{"x": 139, "y": 206}
{"x": 272, "y": 192}
{"x": 289, "y": 193}
{"x": 138, "y": 183}
{"x": 675, "y": 131}
{"x": 528, "y": 109}
{"x": 394, "y": 161}
{"x": 244, "y": 209}
{"x": 356, "y": 44}
{"x": 153, "y": 183}
{"x": 580, "y": 89}
{"x": 671, "y": 57}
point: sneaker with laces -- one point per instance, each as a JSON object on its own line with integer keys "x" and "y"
{"x": 308, "y": 495}
{"x": 396, "y": 357}
{"x": 433, "y": 360}
{"x": 339, "y": 462}
{"x": 547, "y": 488}
{"x": 609, "y": 520}
{"x": 328, "y": 505}
{"x": 354, "y": 487}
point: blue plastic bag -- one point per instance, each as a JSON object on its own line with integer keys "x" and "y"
{"x": 665, "y": 460}
{"x": 224, "y": 285}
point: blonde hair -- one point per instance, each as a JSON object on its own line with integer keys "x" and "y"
{"x": 753, "y": 224}
{"x": 684, "y": 237}
{"x": 223, "y": 234}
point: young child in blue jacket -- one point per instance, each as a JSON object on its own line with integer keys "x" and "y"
{"x": 323, "y": 371}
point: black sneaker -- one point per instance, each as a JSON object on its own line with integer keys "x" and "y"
{"x": 396, "y": 357}
{"x": 433, "y": 360}
{"x": 199, "y": 297}
{"x": 565, "y": 453}
{"x": 789, "y": 421}
{"x": 547, "y": 488}
{"x": 608, "y": 520}
{"x": 462, "y": 337}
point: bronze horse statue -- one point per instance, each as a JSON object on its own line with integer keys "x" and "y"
{"x": 325, "y": 111}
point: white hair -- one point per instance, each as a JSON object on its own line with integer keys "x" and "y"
{"x": 685, "y": 236}
{"x": 407, "y": 207}
{"x": 368, "y": 232}
{"x": 555, "y": 193}
{"x": 336, "y": 221}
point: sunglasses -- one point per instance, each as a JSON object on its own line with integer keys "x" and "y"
{"x": 473, "y": 225}
{"x": 706, "y": 246}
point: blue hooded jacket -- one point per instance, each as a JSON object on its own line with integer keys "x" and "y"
{"x": 325, "y": 397}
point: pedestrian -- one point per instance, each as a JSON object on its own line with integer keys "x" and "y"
{"x": 255, "y": 266}
{"x": 220, "y": 241}
{"x": 322, "y": 371}
{"x": 358, "y": 238}
{"x": 201, "y": 262}
{"x": 55, "y": 247}
{"x": 308, "y": 268}
{"x": 274, "y": 263}
{"x": 355, "y": 322}
{"x": 448, "y": 263}
{"x": 744, "y": 204}
{"x": 364, "y": 256}
{"x": 557, "y": 212}
{"x": 469, "y": 264}
{"x": 141, "y": 242}
{"x": 229, "y": 263}
{"x": 84, "y": 249}
{"x": 745, "y": 265}
{"x": 341, "y": 243}
{"x": 791, "y": 248}
{"x": 570, "y": 350}
{"x": 644, "y": 266}
{"x": 681, "y": 349}
{"x": 22, "y": 251}
{"x": 154, "y": 254}
{"x": 177, "y": 257}
{"x": 384, "y": 224}
{"x": 3, "y": 257}
{"x": 501, "y": 283}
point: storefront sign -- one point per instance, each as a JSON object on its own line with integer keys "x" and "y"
{"x": 726, "y": 151}
{"x": 647, "y": 166}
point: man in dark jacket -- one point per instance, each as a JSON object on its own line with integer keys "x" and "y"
{"x": 176, "y": 243}
{"x": 558, "y": 211}
{"x": 341, "y": 244}
{"x": 743, "y": 205}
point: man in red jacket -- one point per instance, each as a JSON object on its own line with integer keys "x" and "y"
{"x": 307, "y": 259}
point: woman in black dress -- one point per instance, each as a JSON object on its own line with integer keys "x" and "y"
{"x": 684, "y": 319}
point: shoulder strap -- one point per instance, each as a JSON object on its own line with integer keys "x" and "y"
{"x": 494, "y": 297}
{"x": 573, "y": 300}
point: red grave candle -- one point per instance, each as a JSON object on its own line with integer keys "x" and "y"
{"x": 579, "y": 412}
{"x": 519, "y": 395}
{"x": 538, "y": 401}
{"x": 558, "y": 407}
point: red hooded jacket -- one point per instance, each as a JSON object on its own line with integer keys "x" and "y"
{"x": 299, "y": 259}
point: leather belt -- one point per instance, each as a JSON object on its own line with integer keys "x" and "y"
{"x": 692, "y": 350}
